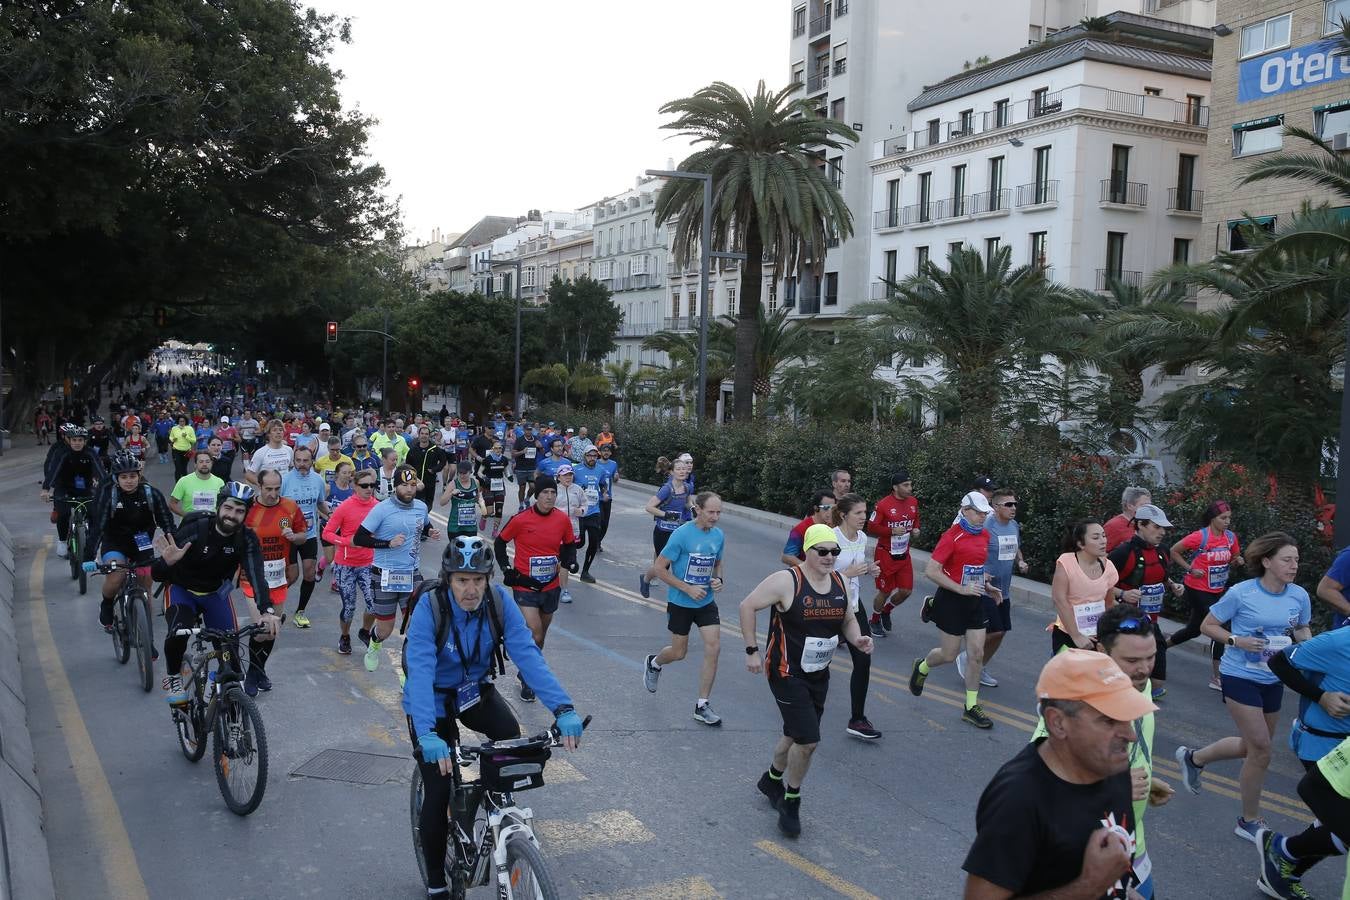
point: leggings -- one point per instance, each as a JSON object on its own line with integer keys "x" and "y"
{"x": 605, "y": 507}
{"x": 180, "y": 462}
{"x": 1160, "y": 661}
{"x": 862, "y": 673}
{"x": 1200, "y": 602}
{"x": 1331, "y": 829}
{"x": 590, "y": 536}
{"x": 351, "y": 579}
{"x": 62, "y": 505}
{"x": 490, "y": 717}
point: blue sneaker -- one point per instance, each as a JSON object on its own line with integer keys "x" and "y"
{"x": 1190, "y": 772}
{"x": 1279, "y": 876}
{"x": 644, "y": 587}
{"x": 1250, "y": 829}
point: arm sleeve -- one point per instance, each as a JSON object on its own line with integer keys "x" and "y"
{"x": 363, "y": 538}
{"x": 1289, "y": 673}
{"x": 163, "y": 515}
{"x": 98, "y": 521}
{"x": 529, "y": 660}
{"x": 420, "y": 655}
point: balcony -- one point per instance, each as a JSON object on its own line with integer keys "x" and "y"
{"x": 1038, "y": 193}
{"x": 636, "y": 329}
{"x": 988, "y": 203}
{"x": 819, "y": 25}
{"x": 817, "y": 81}
{"x": 682, "y": 323}
{"x": 1119, "y": 192}
{"x": 887, "y": 219}
{"x": 1122, "y": 276}
{"x": 883, "y": 291}
{"x": 1185, "y": 203}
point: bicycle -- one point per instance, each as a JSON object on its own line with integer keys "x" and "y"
{"x": 217, "y": 706}
{"x": 132, "y": 624}
{"x": 488, "y": 832}
{"x": 79, "y": 533}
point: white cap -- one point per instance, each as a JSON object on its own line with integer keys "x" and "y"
{"x": 225, "y": 419}
{"x": 976, "y": 501}
{"x": 325, "y": 426}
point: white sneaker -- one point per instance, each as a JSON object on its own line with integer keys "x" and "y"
{"x": 961, "y": 665}
{"x": 61, "y": 549}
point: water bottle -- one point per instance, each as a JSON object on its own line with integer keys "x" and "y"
{"x": 210, "y": 684}
{"x": 1255, "y": 658}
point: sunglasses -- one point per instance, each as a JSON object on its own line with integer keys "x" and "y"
{"x": 824, "y": 508}
{"x": 1011, "y": 504}
{"x": 360, "y": 446}
{"x": 823, "y": 552}
{"x": 365, "y": 484}
{"x": 1133, "y": 625}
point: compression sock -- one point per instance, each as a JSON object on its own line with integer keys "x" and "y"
{"x": 923, "y": 668}
{"x": 259, "y": 651}
{"x": 972, "y": 699}
{"x": 1314, "y": 841}
{"x": 775, "y": 774}
{"x": 792, "y": 793}
{"x": 306, "y": 591}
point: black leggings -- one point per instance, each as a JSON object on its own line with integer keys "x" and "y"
{"x": 590, "y": 536}
{"x": 606, "y": 506}
{"x": 180, "y": 462}
{"x": 491, "y": 717}
{"x": 1160, "y": 661}
{"x": 1200, "y": 602}
{"x": 862, "y": 673}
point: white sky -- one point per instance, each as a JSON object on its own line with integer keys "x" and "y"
{"x": 495, "y": 107}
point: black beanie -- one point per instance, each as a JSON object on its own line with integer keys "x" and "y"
{"x": 544, "y": 483}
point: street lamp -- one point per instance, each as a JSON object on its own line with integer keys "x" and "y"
{"x": 517, "y": 262}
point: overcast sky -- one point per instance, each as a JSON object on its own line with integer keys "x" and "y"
{"x": 495, "y": 107}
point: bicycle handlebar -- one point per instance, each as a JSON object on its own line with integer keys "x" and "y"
{"x": 213, "y": 634}
{"x": 550, "y": 737}
{"x": 107, "y": 568}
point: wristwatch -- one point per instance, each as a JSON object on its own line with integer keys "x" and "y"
{"x": 1232, "y": 640}
{"x": 751, "y": 651}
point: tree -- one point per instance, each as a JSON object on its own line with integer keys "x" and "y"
{"x": 682, "y": 350}
{"x": 582, "y": 321}
{"x": 584, "y": 385}
{"x": 839, "y": 383}
{"x": 771, "y": 196}
{"x": 994, "y": 328}
{"x": 631, "y": 384}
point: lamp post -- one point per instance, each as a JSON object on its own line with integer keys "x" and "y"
{"x": 517, "y": 263}
{"x": 384, "y": 372}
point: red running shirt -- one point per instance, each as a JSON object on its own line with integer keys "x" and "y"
{"x": 962, "y": 555}
{"x": 889, "y": 512}
{"x": 539, "y": 541}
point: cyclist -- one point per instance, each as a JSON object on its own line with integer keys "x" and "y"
{"x": 72, "y": 478}
{"x": 198, "y": 490}
{"x": 101, "y": 440}
{"x": 451, "y": 681}
{"x": 197, "y": 562}
{"x": 127, "y": 511}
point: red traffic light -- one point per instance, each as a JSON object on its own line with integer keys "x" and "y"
{"x": 413, "y": 384}
{"x": 332, "y": 332}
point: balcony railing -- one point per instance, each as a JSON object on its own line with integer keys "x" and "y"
{"x": 892, "y": 217}
{"x": 1038, "y": 193}
{"x": 820, "y": 25}
{"x": 883, "y": 291}
{"x": 1179, "y": 200}
{"x": 808, "y": 305}
{"x": 636, "y": 329}
{"x": 1124, "y": 193}
{"x": 989, "y": 202}
{"x": 1122, "y": 276}
{"x": 682, "y": 323}
{"x": 818, "y": 81}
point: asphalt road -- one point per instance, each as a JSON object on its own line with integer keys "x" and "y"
{"x": 653, "y": 805}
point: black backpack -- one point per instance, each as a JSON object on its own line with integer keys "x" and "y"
{"x": 440, "y": 601}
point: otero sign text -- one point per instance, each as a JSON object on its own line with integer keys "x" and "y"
{"x": 1293, "y": 69}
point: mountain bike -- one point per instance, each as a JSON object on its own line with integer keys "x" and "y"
{"x": 490, "y": 838}
{"x": 132, "y": 625}
{"x": 218, "y": 708}
{"x": 79, "y": 533}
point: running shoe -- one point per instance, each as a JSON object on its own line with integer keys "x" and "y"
{"x": 264, "y": 683}
{"x": 345, "y": 644}
{"x": 526, "y": 693}
{"x": 565, "y": 597}
{"x": 1190, "y": 772}
{"x": 878, "y": 630}
{"x": 987, "y": 680}
{"x": 1216, "y": 685}
{"x": 926, "y": 611}
{"x": 771, "y": 788}
{"x": 975, "y": 716}
{"x": 372, "y": 659}
{"x": 789, "y": 815}
{"x": 1159, "y": 692}
{"x": 301, "y": 620}
{"x": 704, "y": 713}
{"x": 1248, "y": 829}
{"x": 251, "y": 681}
{"x": 61, "y": 549}
{"x": 177, "y": 694}
{"x": 886, "y": 621}
{"x": 644, "y": 587}
{"x": 861, "y": 728}
{"x": 332, "y": 585}
{"x": 650, "y": 673}
{"x": 588, "y": 577}
{"x": 1279, "y": 876}
{"x": 917, "y": 678}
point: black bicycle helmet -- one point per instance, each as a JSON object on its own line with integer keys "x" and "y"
{"x": 124, "y": 461}
{"x": 236, "y": 490}
{"x": 78, "y": 431}
{"x": 467, "y": 553}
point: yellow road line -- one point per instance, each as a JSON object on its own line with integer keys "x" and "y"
{"x": 818, "y": 872}
{"x": 116, "y": 856}
{"x": 696, "y": 888}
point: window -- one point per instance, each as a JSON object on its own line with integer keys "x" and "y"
{"x": 1239, "y": 228}
{"x": 644, "y": 232}
{"x": 1039, "y": 98}
{"x": 1002, "y": 113}
{"x": 1115, "y": 253}
{"x": 954, "y": 247}
{"x": 831, "y": 288}
{"x": 798, "y": 21}
{"x": 958, "y": 190}
{"x": 1120, "y": 172}
{"x": 1336, "y": 10}
{"x": 1152, "y": 92}
{"x": 1186, "y": 182}
{"x": 889, "y": 267}
{"x": 837, "y": 109}
{"x": 772, "y": 295}
{"x": 991, "y": 246}
{"x": 1332, "y": 119}
{"x": 836, "y": 167}
{"x": 1272, "y": 34}
{"x": 1181, "y": 250}
{"x": 920, "y": 257}
{"x": 1041, "y": 166}
{"x": 799, "y": 73}
{"x": 1260, "y": 136}
{"x": 840, "y": 59}
{"x": 925, "y": 196}
{"x": 995, "y": 184}
{"x": 966, "y": 121}
{"x": 933, "y": 128}
{"x": 892, "y": 195}
{"x": 731, "y": 300}
{"x": 1040, "y": 249}
{"x": 1195, "y": 105}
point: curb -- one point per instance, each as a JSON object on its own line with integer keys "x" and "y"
{"x": 25, "y": 864}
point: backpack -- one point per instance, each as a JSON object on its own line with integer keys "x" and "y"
{"x": 1138, "y": 565}
{"x": 441, "y": 623}
{"x": 1204, "y": 540}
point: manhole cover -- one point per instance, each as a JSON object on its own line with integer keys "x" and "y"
{"x": 353, "y": 767}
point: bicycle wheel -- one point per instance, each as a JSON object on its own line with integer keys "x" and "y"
{"x": 120, "y": 633}
{"x": 526, "y": 875}
{"x": 415, "y": 814}
{"x": 240, "y": 751}
{"x": 191, "y": 722}
{"x": 77, "y": 557}
{"x": 138, "y": 609}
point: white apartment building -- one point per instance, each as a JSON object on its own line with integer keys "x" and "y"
{"x": 858, "y": 60}
{"x": 629, "y": 256}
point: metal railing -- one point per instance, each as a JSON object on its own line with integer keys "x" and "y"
{"x": 1038, "y": 193}
{"x": 883, "y": 291}
{"x": 682, "y": 323}
{"x": 1122, "y": 276}
{"x": 637, "y": 329}
{"x": 990, "y": 201}
{"x": 891, "y": 217}
{"x": 1179, "y": 200}
{"x": 820, "y": 25}
{"x": 1124, "y": 193}
{"x": 818, "y": 81}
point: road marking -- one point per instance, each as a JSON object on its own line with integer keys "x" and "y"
{"x": 116, "y": 856}
{"x": 696, "y": 888}
{"x": 606, "y": 828}
{"x": 819, "y": 873}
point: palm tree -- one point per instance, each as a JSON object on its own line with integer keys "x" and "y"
{"x": 681, "y": 348}
{"x": 630, "y": 382}
{"x": 839, "y": 383}
{"x": 771, "y": 196}
{"x": 778, "y": 341}
{"x": 992, "y": 326}
{"x": 580, "y": 385}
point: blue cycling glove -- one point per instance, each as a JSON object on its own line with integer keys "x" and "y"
{"x": 90, "y": 566}
{"x": 569, "y": 724}
{"x": 434, "y": 748}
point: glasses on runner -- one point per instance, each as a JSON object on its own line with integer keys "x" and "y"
{"x": 1011, "y": 504}
{"x": 1131, "y": 626}
{"x": 823, "y": 552}
{"x": 825, "y": 508}
{"x": 365, "y": 484}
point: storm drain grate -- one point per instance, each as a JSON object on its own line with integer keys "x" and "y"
{"x": 352, "y": 767}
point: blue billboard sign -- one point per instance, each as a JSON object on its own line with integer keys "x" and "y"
{"x": 1293, "y": 69}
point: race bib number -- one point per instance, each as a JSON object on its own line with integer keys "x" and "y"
{"x": 530, "y": 451}
{"x": 1274, "y": 644}
{"x": 592, "y": 497}
{"x": 1151, "y": 598}
{"x": 1218, "y": 577}
{"x": 80, "y": 482}
{"x": 275, "y": 571}
{"x": 1335, "y": 766}
{"x": 227, "y": 446}
{"x": 497, "y": 485}
{"x": 700, "y": 568}
{"x": 1143, "y": 867}
{"x": 203, "y": 501}
{"x": 467, "y": 696}
{"x": 1007, "y": 547}
{"x": 899, "y": 544}
{"x": 396, "y": 582}
{"x": 543, "y": 568}
{"x": 1085, "y": 616}
{"x": 143, "y": 542}
{"x": 972, "y": 575}
{"x": 817, "y": 652}
{"x": 461, "y": 444}
{"x": 467, "y": 516}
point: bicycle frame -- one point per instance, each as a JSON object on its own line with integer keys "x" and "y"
{"x": 229, "y": 673}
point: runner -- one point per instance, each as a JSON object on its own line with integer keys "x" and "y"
{"x": 1083, "y": 587}
{"x": 163, "y": 425}
{"x": 1120, "y": 528}
{"x": 1054, "y": 820}
{"x": 280, "y": 527}
{"x": 198, "y": 491}
{"x": 821, "y": 512}
{"x": 524, "y": 457}
{"x": 669, "y": 509}
{"x": 135, "y": 442}
{"x": 544, "y": 543}
{"x": 390, "y": 437}
{"x": 336, "y": 492}
{"x": 327, "y": 464}
{"x": 695, "y": 552}
{"x": 183, "y": 440}
{"x": 611, "y": 467}
{"x": 492, "y": 478}
{"x": 555, "y": 460}
{"x": 248, "y": 434}
{"x": 274, "y": 455}
{"x": 351, "y": 566}
{"x": 594, "y": 483}
{"x": 229, "y": 438}
{"x": 850, "y": 515}
{"x": 465, "y": 500}
{"x": 809, "y": 612}
{"x": 221, "y": 465}
{"x": 894, "y": 523}
{"x": 1005, "y": 553}
{"x": 1206, "y": 555}
{"x": 308, "y": 489}
{"x": 1142, "y": 566}
{"x": 431, "y": 465}
{"x": 605, "y": 438}
{"x": 387, "y": 474}
{"x": 362, "y": 458}
{"x": 956, "y": 566}
{"x": 1266, "y": 613}
{"x": 572, "y": 500}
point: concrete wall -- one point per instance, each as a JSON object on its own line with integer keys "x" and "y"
{"x": 25, "y": 868}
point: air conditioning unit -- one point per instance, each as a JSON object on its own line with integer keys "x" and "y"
{"x": 1341, "y": 141}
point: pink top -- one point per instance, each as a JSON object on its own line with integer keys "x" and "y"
{"x": 1089, "y": 596}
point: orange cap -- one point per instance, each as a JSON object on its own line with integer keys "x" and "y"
{"x": 1095, "y": 679}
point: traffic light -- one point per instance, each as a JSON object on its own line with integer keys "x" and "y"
{"x": 161, "y": 317}
{"x": 332, "y": 332}
{"x": 413, "y": 385}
